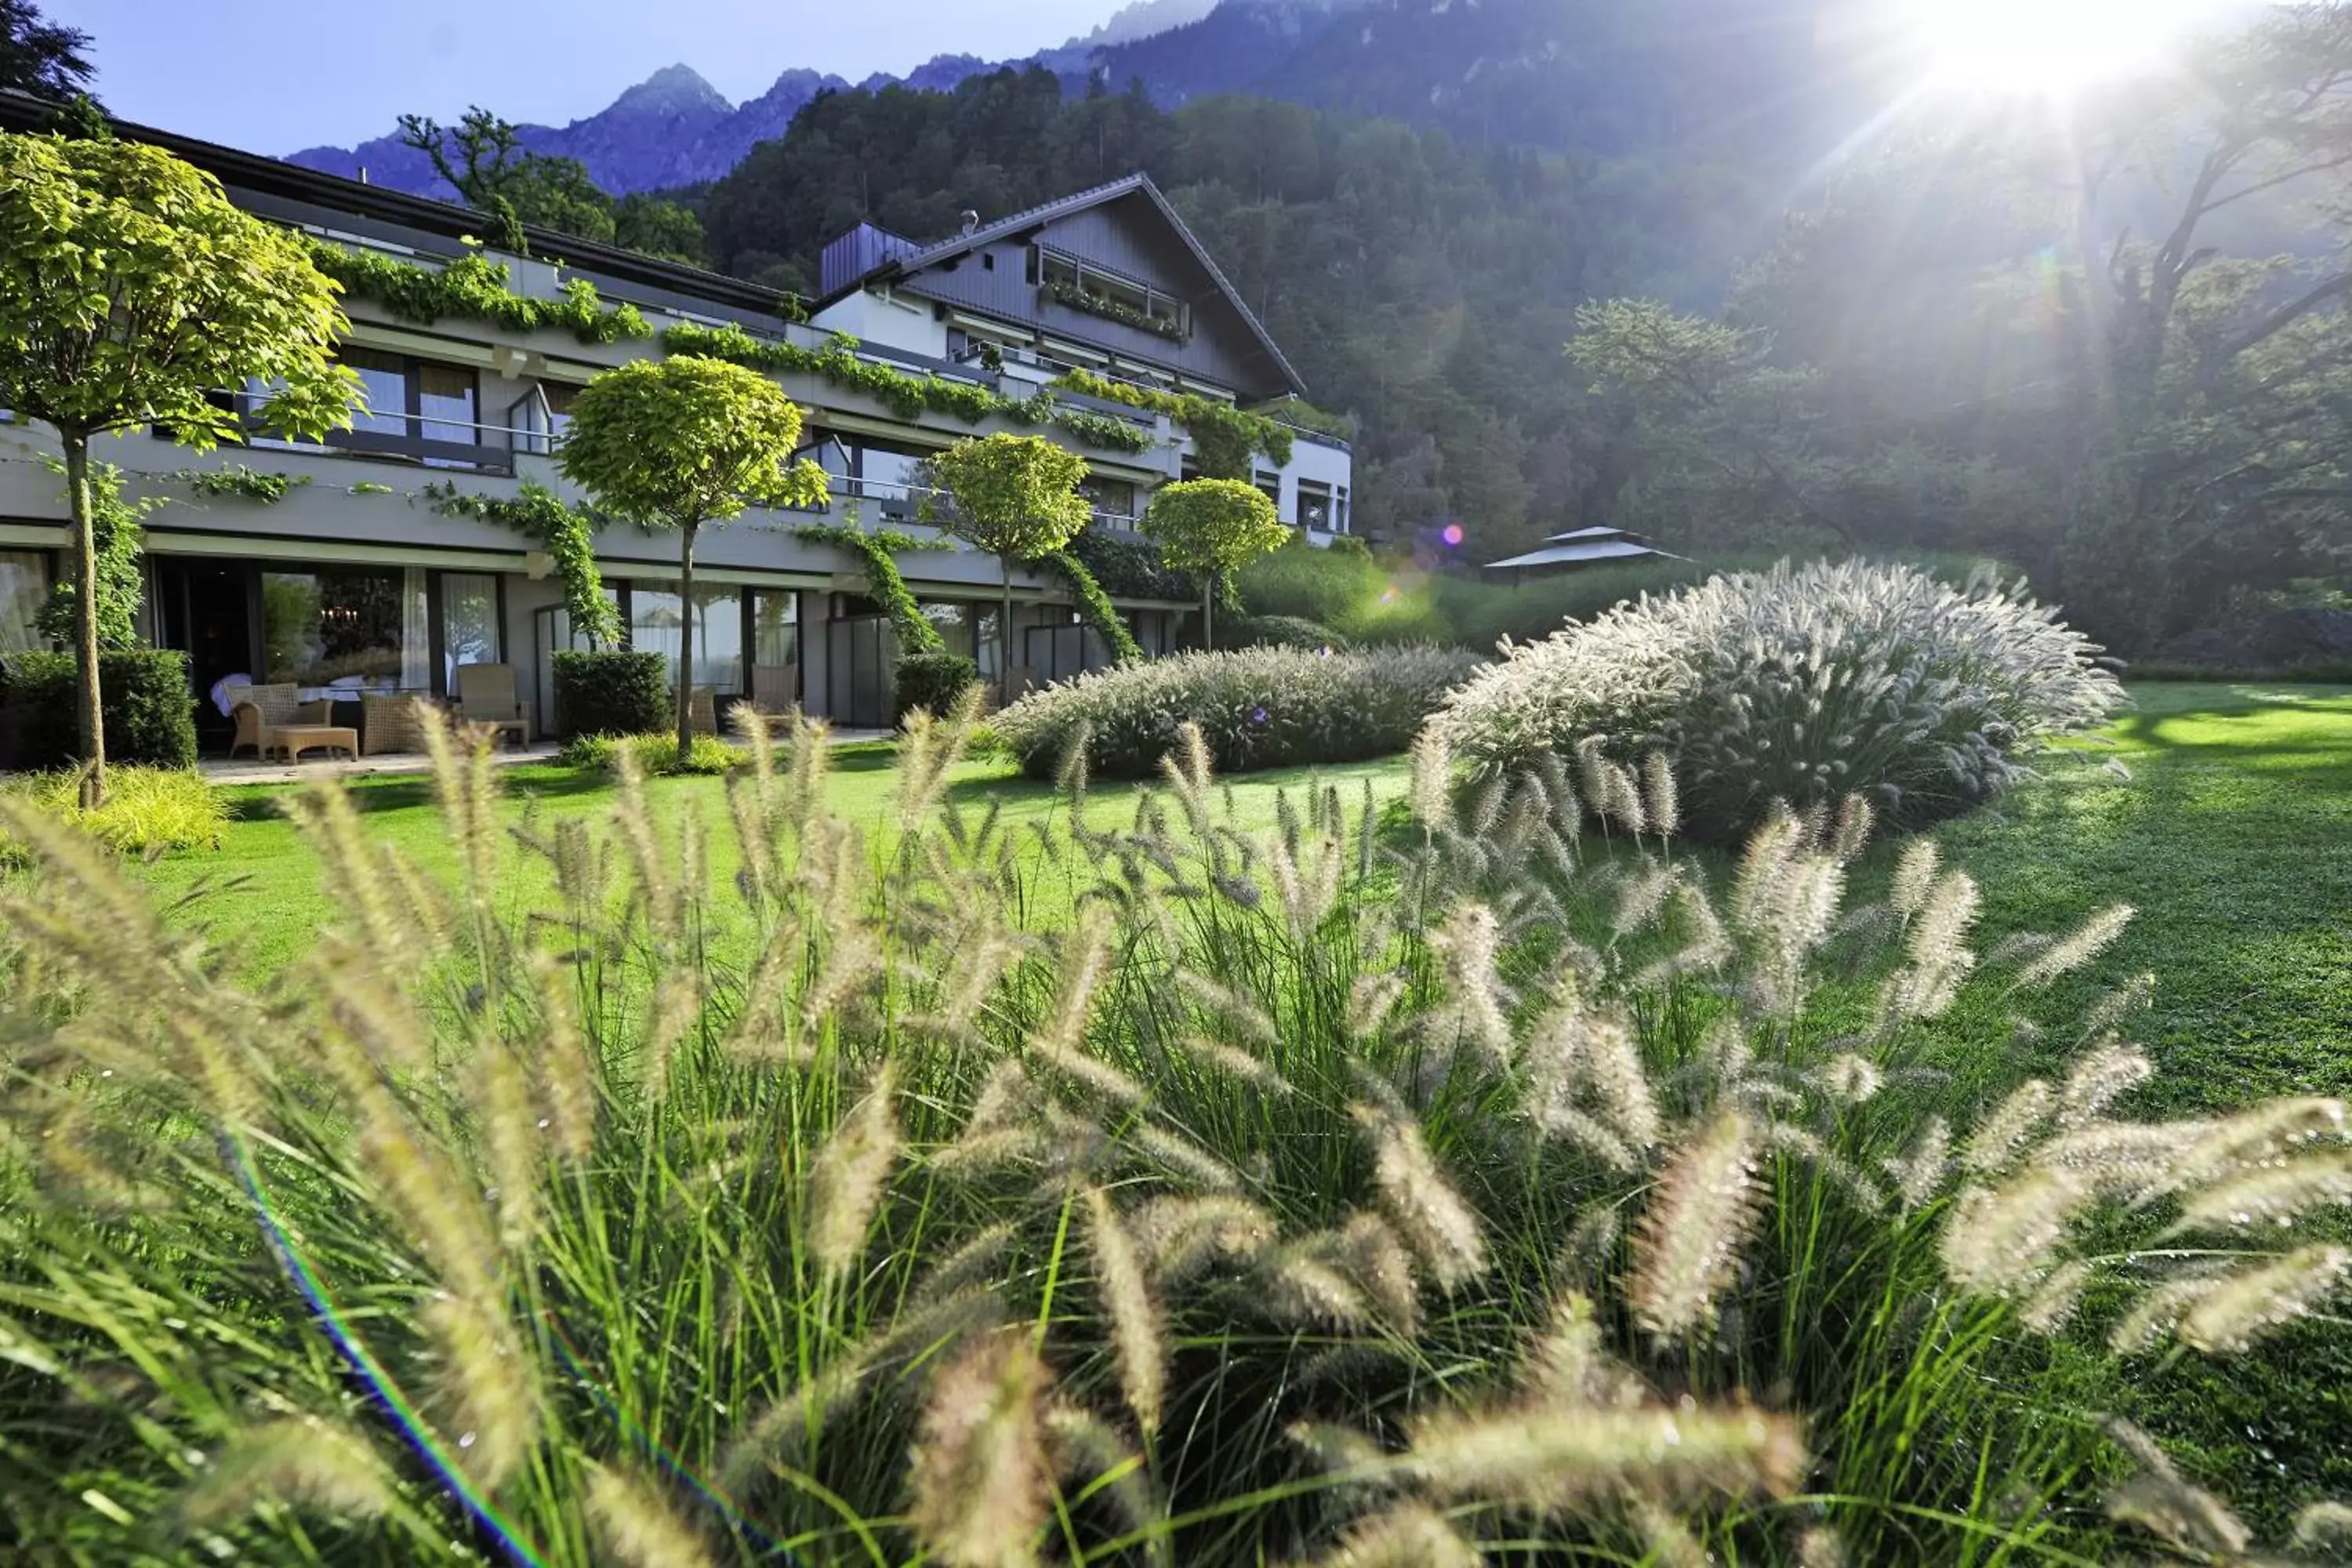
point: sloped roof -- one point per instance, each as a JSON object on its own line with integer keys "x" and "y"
{"x": 1061, "y": 207}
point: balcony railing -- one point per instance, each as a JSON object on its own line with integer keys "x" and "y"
{"x": 894, "y": 502}
{"x": 431, "y": 441}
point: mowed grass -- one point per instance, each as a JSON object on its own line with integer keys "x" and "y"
{"x": 264, "y": 890}
{"x": 2232, "y": 839}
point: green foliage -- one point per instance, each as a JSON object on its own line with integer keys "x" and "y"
{"x": 1129, "y": 568}
{"x": 474, "y": 288}
{"x": 237, "y": 480}
{"x": 1224, "y": 438}
{"x": 147, "y": 811}
{"x": 134, "y": 289}
{"x": 1256, "y": 708}
{"x": 145, "y": 698}
{"x": 611, "y": 691}
{"x": 1286, "y": 1100}
{"x": 1015, "y": 496}
{"x": 883, "y": 583}
{"x": 934, "y": 682}
{"x": 654, "y": 226}
{"x": 1076, "y": 297}
{"x": 909, "y": 396}
{"x": 568, "y": 534}
{"x": 370, "y": 488}
{"x": 1095, "y": 606}
{"x": 1280, "y": 631}
{"x": 1795, "y": 686}
{"x": 121, "y": 573}
{"x": 655, "y": 754}
{"x": 1214, "y": 527}
{"x": 42, "y": 58}
{"x": 683, "y": 441}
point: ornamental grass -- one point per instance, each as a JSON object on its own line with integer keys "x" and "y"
{"x": 1458, "y": 1188}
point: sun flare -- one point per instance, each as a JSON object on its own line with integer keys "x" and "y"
{"x": 2051, "y": 47}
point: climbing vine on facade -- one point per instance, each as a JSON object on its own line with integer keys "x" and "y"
{"x": 888, "y": 588}
{"x": 1095, "y": 608}
{"x": 474, "y": 287}
{"x": 838, "y": 365}
{"x": 1223, "y": 437}
{"x": 567, "y": 533}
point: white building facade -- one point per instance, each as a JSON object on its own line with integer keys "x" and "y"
{"x": 373, "y": 568}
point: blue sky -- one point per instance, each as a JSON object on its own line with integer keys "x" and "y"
{"x": 273, "y": 78}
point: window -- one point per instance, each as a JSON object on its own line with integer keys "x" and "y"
{"x": 967, "y": 629}
{"x": 24, "y": 589}
{"x": 1314, "y": 506}
{"x": 350, "y": 629}
{"x": 776, "y": 628}
{"x": 1270, "y": 485}
{"x": 410, "y": 402}
{"x": 1339, "y": 510}
{"x": 469, "y": 623}
{"x": 1113, "y": 498}
{"x": 654, "y": 623}
{"x": 1083, "y": 286}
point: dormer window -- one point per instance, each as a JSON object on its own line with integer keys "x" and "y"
{"x": 1081, "y": 285}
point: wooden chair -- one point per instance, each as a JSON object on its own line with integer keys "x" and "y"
{"x": 775, "y": 688}
{"x": 486, "y": 695}
{"x": 703, "y": 710}
{"x": 262, "y": 711}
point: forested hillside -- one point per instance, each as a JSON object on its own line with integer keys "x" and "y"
{"x": 1424, "y": 286}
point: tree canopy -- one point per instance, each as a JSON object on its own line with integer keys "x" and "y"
{"x": 680, "y": 442}
{"x": 483, "y": 157}
{"x": 1214, "y": 527}
{"x": 1017, "y": 498}
{"x": 134, "y": 293}
{"x": 41, "y": 56}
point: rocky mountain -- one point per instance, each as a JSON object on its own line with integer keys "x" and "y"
{"x": 1603, "y": 77}
{"x": 672, "y": 128}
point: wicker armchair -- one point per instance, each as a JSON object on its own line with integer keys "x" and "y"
{"x": 262, "y": 711}
{"x": 391, "y": 723}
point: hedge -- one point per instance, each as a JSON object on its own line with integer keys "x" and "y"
{"x": 149, "y": 708}
{"x": 932, "y": 682}
{"x": 612, "y": 691}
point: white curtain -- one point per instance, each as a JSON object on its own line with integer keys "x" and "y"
{"x": 415, "y": 633}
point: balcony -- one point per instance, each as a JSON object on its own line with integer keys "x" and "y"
{"x": 418, "y": 440}
{"x": 895, "y": 504}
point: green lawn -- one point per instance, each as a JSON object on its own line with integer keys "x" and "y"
{"x": 2232, "y": 837}
{"x": 264, "y": 890}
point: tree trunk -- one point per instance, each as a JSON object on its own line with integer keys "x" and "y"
{"x": 686, "y": 641}
{"x": 1004, "y": 635}
{"x": 89, "y": 720}
{"x": 1209, "y": 614}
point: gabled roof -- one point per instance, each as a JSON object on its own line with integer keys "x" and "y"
{"x": 1053, "y": 211}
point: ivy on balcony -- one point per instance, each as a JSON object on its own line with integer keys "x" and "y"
{"x": 1078, "y": 297}
{"x": 568, "y": 534}
{"x": 1223, "y": 437}
{"x": 475, "y": 287}
{"x": 839, "y": 364}
{"x": 883, "y": 583}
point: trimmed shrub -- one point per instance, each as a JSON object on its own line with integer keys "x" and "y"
{"x": 147, "y": 810}
{"x": 934, "y": 681}
{"x": 656, "y": 753}
{"x": 612, "y": 691}
{"x": 1798, "y": 684}
{"x": 1280, "y": 631}
{"x": 143, "y": 693}
{"x": 1257, "y": 708}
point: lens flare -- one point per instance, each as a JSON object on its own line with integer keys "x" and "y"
{"x": 1451, "y": 534}
{"x": 2049, "y": 47}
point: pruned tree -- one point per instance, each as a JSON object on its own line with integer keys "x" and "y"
{"x": 1214, "y": 527}
{"x": 1017, "y": 498}
{"x": 134, "y": 293}
{"x": 680, "y": 442}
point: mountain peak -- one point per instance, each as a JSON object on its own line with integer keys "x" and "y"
{"x": 673, "y": 90}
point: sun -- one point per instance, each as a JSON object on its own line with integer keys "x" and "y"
{"x": 2048, "y": 47}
